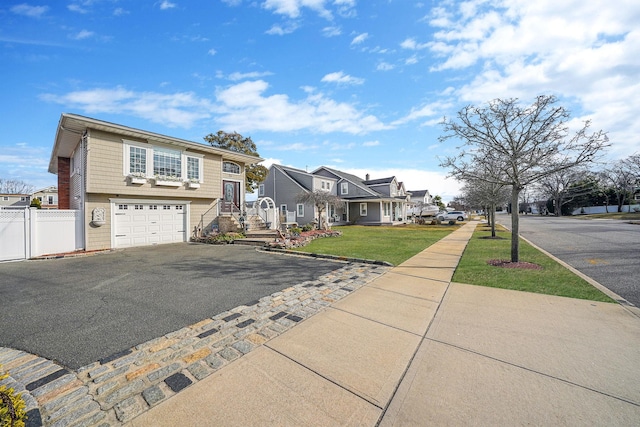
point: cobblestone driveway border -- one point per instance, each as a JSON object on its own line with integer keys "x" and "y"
{"x": 120, "y": 387}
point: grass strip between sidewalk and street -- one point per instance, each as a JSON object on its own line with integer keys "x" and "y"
{"x": 552, "y": 279}
{"x": 392, "y": 244}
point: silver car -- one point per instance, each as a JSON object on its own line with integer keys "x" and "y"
{"x": 457, "y": 215}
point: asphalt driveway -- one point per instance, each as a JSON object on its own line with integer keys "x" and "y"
{"x": 78, "y": 310}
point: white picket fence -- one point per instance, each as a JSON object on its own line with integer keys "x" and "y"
{"x": 29, "y": 233}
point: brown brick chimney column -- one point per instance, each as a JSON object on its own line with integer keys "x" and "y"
{"x": 64, "y": 187}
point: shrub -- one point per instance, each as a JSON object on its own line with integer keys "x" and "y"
{"x": 308, "y": 227}
{"x": 12, "y": 406}
{"x": 36, "y": 203}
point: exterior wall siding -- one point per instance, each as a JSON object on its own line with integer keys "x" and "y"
{"x": 105, "y": 163}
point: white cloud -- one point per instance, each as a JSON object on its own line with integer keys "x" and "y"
{"x": 586, "y": 53}
{"x": 412, "y": 44}
{"x": 433, "y": 110}
{"x": 165, "y": 5}
{"x": 212, "y": 52}
{"x": 120, "y": 12}
{"x": 84, "y": 34}
{"x": 279, "y": 30}
{"x": 77, "y": 8}
{"x": 359, "y": 39}
{"x": 251, "y": 75}
{"x": 415, "y": 179}
{"x": 371, "y": 143}
{"x": 30, "y": 11}
{"x": 342, "y": 78}
{"x": 173, "y": 110}
{"x": 385, "y": 66}
{"x": 246, "y": 107}
{"x": 293, "y": 8}
{"x": 331, "y": 31}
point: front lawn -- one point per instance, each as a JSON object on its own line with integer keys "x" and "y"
{"x": 392, "y": 244}
{"x": 623, "y": 216}
{"x": 552, "y": 279}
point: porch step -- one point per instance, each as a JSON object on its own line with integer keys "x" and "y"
{"x": 261, "y": 234}
{"x": 252, "y": 241}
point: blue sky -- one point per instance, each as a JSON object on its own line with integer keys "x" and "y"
{"x": 356, "y": 85}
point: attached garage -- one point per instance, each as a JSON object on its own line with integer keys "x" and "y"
{"x": 143, "y": 222}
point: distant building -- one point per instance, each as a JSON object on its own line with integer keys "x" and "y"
{"x": 48, "y": 197}
{"x": 12, "y": 201}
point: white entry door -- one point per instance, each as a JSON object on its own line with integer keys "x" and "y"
{"x": 140, "y": 224}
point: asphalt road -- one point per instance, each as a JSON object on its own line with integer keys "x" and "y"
{"x": 608, "y": 251}
{"x": 78, "y": 310}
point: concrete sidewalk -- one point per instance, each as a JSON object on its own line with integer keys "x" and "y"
{"x": 412, "y": 348}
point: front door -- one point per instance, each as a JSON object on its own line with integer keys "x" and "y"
{"x": 230, "y": 196}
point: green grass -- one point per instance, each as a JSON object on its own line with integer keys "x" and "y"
{"x": 553, "y": 279}
{"x": 392, "y": 244}
{"x": 623, "y": 216}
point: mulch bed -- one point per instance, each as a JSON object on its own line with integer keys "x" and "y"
{"x": 508, "y": 264}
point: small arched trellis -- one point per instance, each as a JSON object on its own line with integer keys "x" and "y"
{"x": 265, "y": 207}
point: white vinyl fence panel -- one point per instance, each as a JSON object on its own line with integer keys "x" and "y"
{"x": 13, "y": 234}
{"x": 29, "y": 233}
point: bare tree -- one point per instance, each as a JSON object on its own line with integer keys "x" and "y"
{"x": 15, "y": 186}
{"x": 517, "y": 145}
{"x": 320, "y": 199}
{"x": 622, "y": 177}
{"x": 487, "y": 195}
{"x": 565, "y": 185}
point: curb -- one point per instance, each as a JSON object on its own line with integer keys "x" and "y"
{"x": 623, "y": 302}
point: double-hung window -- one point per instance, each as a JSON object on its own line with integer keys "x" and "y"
{"x": 193, "y": 169}
{"x": 137, "y": 160}
{"x": 363, "y": 209}
{"x": 300, "y": 209}
{"x": 344, "y": 188}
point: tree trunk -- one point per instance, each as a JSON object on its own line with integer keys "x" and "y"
{"x": 515, "y": 225}
{"x": 493, "y": 219}
{"x": 558, "y": 201}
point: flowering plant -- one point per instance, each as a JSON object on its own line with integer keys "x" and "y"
{"x": 168, "y": 178}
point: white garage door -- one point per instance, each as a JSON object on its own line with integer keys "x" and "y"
{"x": 140, "y": 224}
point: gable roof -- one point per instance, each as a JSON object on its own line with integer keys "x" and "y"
{"x": 380, "y": 181}
{"x": 72, "y": 126}
{"x": 349, "y": 177}
{"x": 289, "y": 171}
{"x": 418, "y": 193}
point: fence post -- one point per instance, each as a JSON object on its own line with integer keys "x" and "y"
{"x": 30, "y": 221}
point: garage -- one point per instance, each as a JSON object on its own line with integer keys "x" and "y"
{"x": 138, "y": 223}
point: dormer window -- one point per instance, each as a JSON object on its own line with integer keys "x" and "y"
{"x": 230, "y": 167}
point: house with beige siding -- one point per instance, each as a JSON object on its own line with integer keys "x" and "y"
{"x": 138, "y": 188}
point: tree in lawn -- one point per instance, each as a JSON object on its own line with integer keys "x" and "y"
{"x": 486, "y": 195}
{"x": 517, "y": 145}
{"x": 254, "y": 174}
{"x": 320, "y": 199}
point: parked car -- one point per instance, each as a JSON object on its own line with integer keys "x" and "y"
{"x": 457, "y": 215}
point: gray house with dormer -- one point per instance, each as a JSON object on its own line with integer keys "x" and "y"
{"x": 363, "y": 201}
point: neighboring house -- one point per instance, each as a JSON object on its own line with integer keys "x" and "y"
{"x": 140, "y": 188}
{"x": 11, "y": 201}
{"x": 365, "y": 201}
{"x": 48, "y": 197}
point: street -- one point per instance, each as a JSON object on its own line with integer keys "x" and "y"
{"x": 608, "y": 251}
